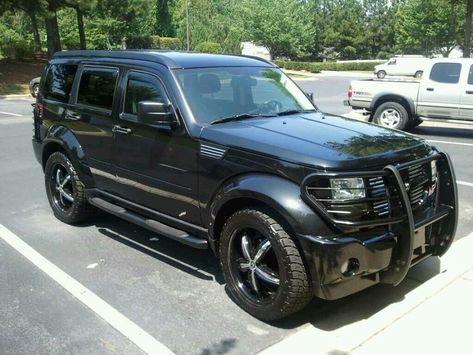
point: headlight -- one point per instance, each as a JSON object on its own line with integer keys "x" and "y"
{"x": 347, "y": 188}
{"x": 433, "y": 170}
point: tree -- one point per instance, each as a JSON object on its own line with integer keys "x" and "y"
{"x": 52, "y": 30}
{"x": 427, "y": 27}
{"x": 467, "y": 41}
{"x": 282, "y": 26}
{"x": 164, "y": 26}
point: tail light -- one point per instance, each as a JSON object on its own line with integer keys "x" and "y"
{"x": 39, "y": 107}
{"x": 350, "y": 92}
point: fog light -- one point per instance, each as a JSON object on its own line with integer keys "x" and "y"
{"x": 350, "y": 267}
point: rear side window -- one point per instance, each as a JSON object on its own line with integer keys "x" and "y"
{"x": 470, "y": 76}
{"x": 58, "y": 82}
{"x": 448, "y": 73}
{"x": 97, "y": 87}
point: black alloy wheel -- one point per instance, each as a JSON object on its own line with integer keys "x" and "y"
{"x": 262, "y": 266}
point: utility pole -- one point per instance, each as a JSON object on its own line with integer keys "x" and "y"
{"x": 187, "y": 24}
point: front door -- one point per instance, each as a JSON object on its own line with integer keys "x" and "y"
{"x": 466, "y": 97}
{"x": 156, "y": 165}
{"x": 439, "y": 94}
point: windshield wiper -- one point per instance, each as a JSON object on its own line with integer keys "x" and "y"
{"x": 291, "y": 112}
{"x": 242, "y": 116}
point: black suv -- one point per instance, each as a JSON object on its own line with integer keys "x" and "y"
{"x": 227, "y": 152}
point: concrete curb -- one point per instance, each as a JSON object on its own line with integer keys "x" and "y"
{"x": 345, "y": 339}
{"x": 16, "y": 96}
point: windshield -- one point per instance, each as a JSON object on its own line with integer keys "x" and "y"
{"x": 217, "y": 93}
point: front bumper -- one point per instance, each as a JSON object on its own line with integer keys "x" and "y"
{"x": 383, "y": 251}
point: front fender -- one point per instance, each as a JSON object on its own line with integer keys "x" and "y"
{"x": 63, "y": 137}
{"x": 279, "y": 194}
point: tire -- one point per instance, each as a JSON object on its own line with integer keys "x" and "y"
{"x": 381, "y": 74}
{"x": 391, "y": 115}
{"x": 278, "y": 293}
{"x": 35, "y": 90}
{"x": 68, "y": 202}
{"x": 418, "y": 74}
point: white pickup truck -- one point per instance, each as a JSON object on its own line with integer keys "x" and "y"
{"x": 445, "y": 93}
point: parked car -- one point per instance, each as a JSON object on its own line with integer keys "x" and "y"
{"x": 445, "y": 93}
{"x": 34, "y": 86}
{"x": 402, "y": 66}
{"x": 227, "y": 153}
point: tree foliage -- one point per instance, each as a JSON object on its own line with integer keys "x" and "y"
{"x": 291, "y": 29}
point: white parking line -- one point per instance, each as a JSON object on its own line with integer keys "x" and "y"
{"x": 11, "y": 114}
{"x": 464, "y": 183}
{"x": 454, "y": 143}
{"x": 113, "y": 317}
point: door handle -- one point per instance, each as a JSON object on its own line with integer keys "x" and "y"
{"x": 122, "y": 130}
{"x": 430, "y": 89}
{"x": 72, "y": 116}
{"x": 469, "y": 92}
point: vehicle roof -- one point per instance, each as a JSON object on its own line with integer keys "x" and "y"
{"x": 171, "y": 59}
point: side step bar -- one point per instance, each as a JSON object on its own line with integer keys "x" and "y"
{"x": 151, "y": 224}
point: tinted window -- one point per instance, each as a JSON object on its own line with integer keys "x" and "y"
{"x": 97, "y": 87}
{"x": 141, "y": 90}
{"x": 446, "y": 73}
{"x": 470, "y": 76}
{"x": 58, "y": 83}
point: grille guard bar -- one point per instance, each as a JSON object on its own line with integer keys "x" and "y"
{"x": 446, "y": 197}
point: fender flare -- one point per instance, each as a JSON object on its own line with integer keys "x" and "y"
{"x": 382, "y": 95}
{"x": 59, "y": 135}
{"x": 281, "y": 195}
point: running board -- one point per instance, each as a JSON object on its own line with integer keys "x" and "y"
{"x": 151, "y": 224}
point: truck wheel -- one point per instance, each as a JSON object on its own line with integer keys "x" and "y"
{"x": 381, "y": 74}
{"x": 262, "y": 266}
{"x": 391, "y": 115}
{"x": 418, "y": 74}
{"x": 65, "y": 191}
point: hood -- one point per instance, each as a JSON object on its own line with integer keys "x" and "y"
{"x": 319, "y": 140}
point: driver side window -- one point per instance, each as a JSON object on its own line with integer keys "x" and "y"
{"x": 141, "y": 88}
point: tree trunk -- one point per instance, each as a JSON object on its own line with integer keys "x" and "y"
{"x": 467, "y": 43}
{"x": 52, "y": 32}
{"x": 34, "y": 28}
{"x": 80, "y": 26}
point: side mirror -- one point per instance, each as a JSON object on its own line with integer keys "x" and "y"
{"x": 153, "y": 112}
{"x": 310, "y": 95}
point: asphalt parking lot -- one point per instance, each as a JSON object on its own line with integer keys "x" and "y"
{"x": 173, "y": 294}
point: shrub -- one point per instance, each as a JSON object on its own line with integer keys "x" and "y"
{"x": 139, "y": 42}
{"x": 170, "y": 43}
{"x": 316, "y": 67}
{"x": 208, "y": 47}
{"x": 14, "y": 46}
{"x": 153, "y": 42}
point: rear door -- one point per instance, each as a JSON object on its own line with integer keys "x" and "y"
{"x": 466, "y": 101}
{"x": 156, "y": 165}
{"x": 439, "y": 93}
{"x": 91, "y": 115}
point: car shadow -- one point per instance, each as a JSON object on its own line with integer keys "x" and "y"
{"x": 451, "y": 132}
{"x": 197, "y": 262}
{"x": 322, "y": 314}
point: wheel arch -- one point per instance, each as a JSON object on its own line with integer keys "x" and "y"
{"x": 276, "y": 194}
{"x": 382, "y": 98}
{"x": 61, "y": 139}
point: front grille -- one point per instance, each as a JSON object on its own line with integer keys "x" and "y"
{"x": 382, "y": 199}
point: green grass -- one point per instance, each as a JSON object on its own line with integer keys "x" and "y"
{"x": 298, "y": 76}
{"x": 15, "y": 76}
